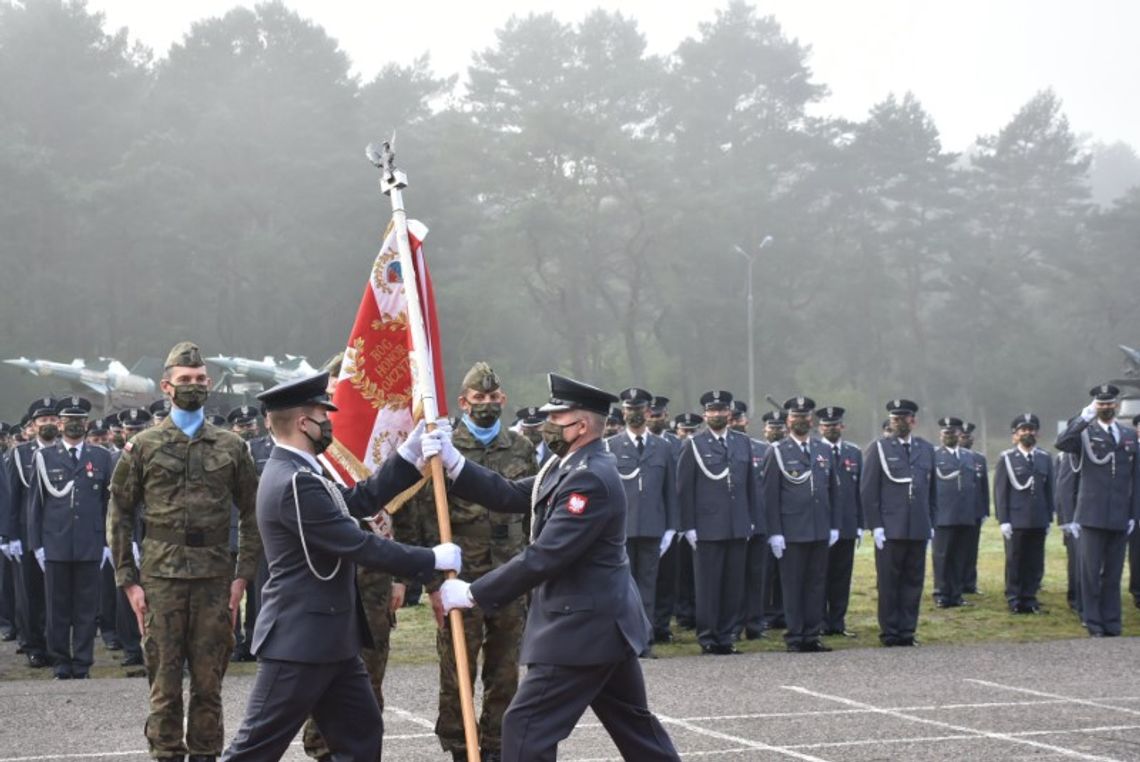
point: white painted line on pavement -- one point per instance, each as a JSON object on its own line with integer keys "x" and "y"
{"x": 752, "y": 745}
{"x": 1083, "y": 702}
{"x": 960, "y": 737}
{"x": 949, "y": 726}
{"x": 403, "y": 714}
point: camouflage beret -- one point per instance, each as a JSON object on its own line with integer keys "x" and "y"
{"x": 481, "y": 378}
{"x": 185, "y": 354}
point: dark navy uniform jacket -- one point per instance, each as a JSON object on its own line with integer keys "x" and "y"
{"x": 584, "y": 607}
{"x": 805, "y": 511}
{"x": 725, "y": 508}
{"x": 899, "y": 494}
{"x": 303, "y": 618}
{"x": 1108, "y": 474}
{"x": 1023, "y": 488}
{"x": 960, "y": 490}
{"x": 848, "y": 497}
{"x": 759, "y": 451}
{"x": 1065, "y": 487}
{"x": 19, "y": 468}
{"x": 982, "y": 470}
{"x": 72, "y": 526}
{"x": 650, "y": 482}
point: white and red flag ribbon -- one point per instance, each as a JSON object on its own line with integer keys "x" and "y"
{"x": 378, "y": 386}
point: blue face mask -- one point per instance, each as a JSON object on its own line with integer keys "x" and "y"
{"x": 484, "y": 435}
{"x": 189, "y": 421}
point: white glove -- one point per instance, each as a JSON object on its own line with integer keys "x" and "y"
{"x": 776, "y": 542}
{"x": 691, "y": 536}
{"x": 411, "y": 450}
{"x": 4, "y": 550}
{"x": 448, "y": 557}
{"x": 106, "y": 556}
{"x": 932, "y": 533}
{"x": 39, "y": 552}
{"x": 444, "y": 425}
{"x": 1006, "y": 530}
{"x": 832, "y": 537}
{"x": 666, "y": 541}
{"x": 1075, "y": 529}
{"x": 1048, "y": 528}
{"x": 1131, "y": 525}
{"x": 16, "y": 548}
{"x": 438, "y": 442}
{"x": 136, "y": 554}
{"x": 455, "y": 594}
{"x": 1089, "y": 412}
{"x": 880, "y": 537}
{"x": 859, "y": 537}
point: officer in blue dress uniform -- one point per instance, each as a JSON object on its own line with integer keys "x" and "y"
{"x": 1134, "y": 551}
{"x": 1064, "y": 507}
{"x": 959, "y": 493}
{"x": 720, "y": 509}
{"x": 648, "y": 475}
{"x": 133, "y": 420}
{"x": 758, "y": 554}
{"x": 28, "y": 577}
{"x": 775, "y": 428}
{"x": 683, "y": 601}
{"x": 1023, "y": 501}
{"x": 1108, "y": 504}
{"x": 585, "y": 624}
{"x": 982, "y": 472}
{"x": 900, "y": 501}
{"x": 802, "y": 522}
{"x": 848, "y": 460}
{"x": 242, "y": 420}
{"x": 67, "y": 522}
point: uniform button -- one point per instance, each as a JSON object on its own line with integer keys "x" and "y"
{"x": 566, "y": 608}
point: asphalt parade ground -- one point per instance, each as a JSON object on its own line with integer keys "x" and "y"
{"x": 1069, "y": 699}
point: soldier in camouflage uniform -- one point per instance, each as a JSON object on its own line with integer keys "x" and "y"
{"x": 188, "y": 473}
{"x": 488, "y": 540}
{"x": 376, "y": 594}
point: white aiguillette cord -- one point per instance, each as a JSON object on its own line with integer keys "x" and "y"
{"x": 907, "y": 480}
{"x": 1012, "y": 477}
{"x": 700, "y": 462}
{"x": 952, "y": 475}
{"x": 534, "y": 493}
{"x": 1088, "y": 453}
{"x": 625, "y": 477}
{"x": 338, "y": 500}
{"x": 63, "y": 491}
{"x": 809, "y": 475}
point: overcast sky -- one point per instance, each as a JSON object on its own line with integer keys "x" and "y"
{"x": 972, "y": 63}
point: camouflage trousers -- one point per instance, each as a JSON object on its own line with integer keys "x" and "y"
{"x": 498, "y": 636}
{"x": 375, "y": 592}
{"x": 187, "y": 625}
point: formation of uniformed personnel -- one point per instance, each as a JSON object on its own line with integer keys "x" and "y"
{"x": 488, "y": 540}
{"x": 900, "y": 501}
{"x": 647, "y": 467}
{"x": 720, "y": 509}
{"x": 775, "y": 428}
{"x": 960, "y": 490}
{"x": 312, "y": 626}
{"x": 188, "y": 473}
{"x": 802, "y": 523}
{"x": 586, "y": 623}
{"x": 848, "y": 460}
{"x": 27, "y": 576}
{"x": 1023, "y": 502}
{"x": 66, "y": 531}
{"x": 676, "y": 586}
{"x": 1107, "y": 504}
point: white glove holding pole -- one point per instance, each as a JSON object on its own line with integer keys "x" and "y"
{"x": 438, "y": 442}
{"x": 832, "y": 537}
{"x": 1007, "y": 530}
{"x": 16, "y": 548}
{"x": 106, "y": 557}
{"x": 880, "y": 537}
{"x": 7, "y": 553}
{"x": 666, "y": 541}
{"x": 448, "y": 557}
{"x": 691, "y": 536}
{"x": 455, "y": 594}
{"x": 411, "y": 449}
{"x": 40, "y": 558}
{"x": 777, "y": 544}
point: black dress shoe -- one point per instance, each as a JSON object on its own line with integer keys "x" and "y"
{"x": 8, "y": 636}
{"x": 755, "y": 635}
{"x": 662, "y": 636}
{"x": 132, "y": 660}
{"x": 79, "y": 676}
{"x": 794, "y": 648}
{"x": 1096, "y": 634}
{"x": 202, "y": 758}
{"x": 647, "y": 654}
{"x": 907, "y": 642}
{"x": 889, "y": 642}
{"x": 707, "y": 649}
{"x": 729, "y": 650}
{"x": 816, "y": 647}
{"x": 62, "y": 676}
{"x": 943, "y": 605}
{"x": 37, "y": 661}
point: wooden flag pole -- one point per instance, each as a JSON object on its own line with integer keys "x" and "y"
{"x": 392, "y": 183}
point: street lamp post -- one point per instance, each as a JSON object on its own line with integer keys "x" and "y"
{"x": 750, "y": 258}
